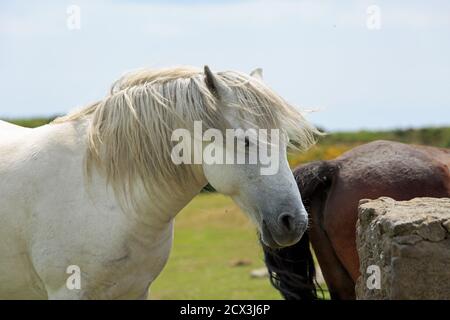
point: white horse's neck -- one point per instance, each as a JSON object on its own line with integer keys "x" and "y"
{"x": 163, "y": 205}
{"x": 159, "y": 206}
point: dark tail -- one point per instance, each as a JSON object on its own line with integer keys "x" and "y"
{"x": 292, "y": 269}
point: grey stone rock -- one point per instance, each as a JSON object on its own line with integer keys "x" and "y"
{"x": 409, "y": 241}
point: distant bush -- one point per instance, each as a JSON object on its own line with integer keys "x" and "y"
{"x": 334, "y": 144}
{"x": 438, "y": 137}
{"x": 31, "y": 123}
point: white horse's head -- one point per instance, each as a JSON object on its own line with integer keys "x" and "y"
{"x": 267, "y": 191}
{"x": 131, "y": 138}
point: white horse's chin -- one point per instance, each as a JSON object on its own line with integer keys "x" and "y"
{"x": 269, "y": 240}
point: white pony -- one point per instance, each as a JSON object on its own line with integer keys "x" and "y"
{"x": 96, "y": 191}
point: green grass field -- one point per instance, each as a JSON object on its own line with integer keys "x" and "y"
{"x": 211, "y": 235}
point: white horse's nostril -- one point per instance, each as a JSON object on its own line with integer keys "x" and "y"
{"x": 287, "y": 221}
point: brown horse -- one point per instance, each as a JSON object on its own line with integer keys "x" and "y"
{"x": 331, "y": 191}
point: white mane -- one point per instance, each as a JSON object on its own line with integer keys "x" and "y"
{"x": 130, "y": 130}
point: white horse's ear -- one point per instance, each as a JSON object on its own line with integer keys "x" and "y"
{"x": 257, "y": 73}
{"x": 217, "y": 86}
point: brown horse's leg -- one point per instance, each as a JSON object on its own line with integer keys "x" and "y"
{"x": 339, "y": 283}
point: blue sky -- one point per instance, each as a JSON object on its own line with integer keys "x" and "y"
{"x": 317, "y": 54}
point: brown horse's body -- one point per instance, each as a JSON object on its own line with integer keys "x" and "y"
{"x": 331, "y": 191}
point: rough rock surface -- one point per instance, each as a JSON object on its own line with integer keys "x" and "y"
{"x": 410, "y": 243}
